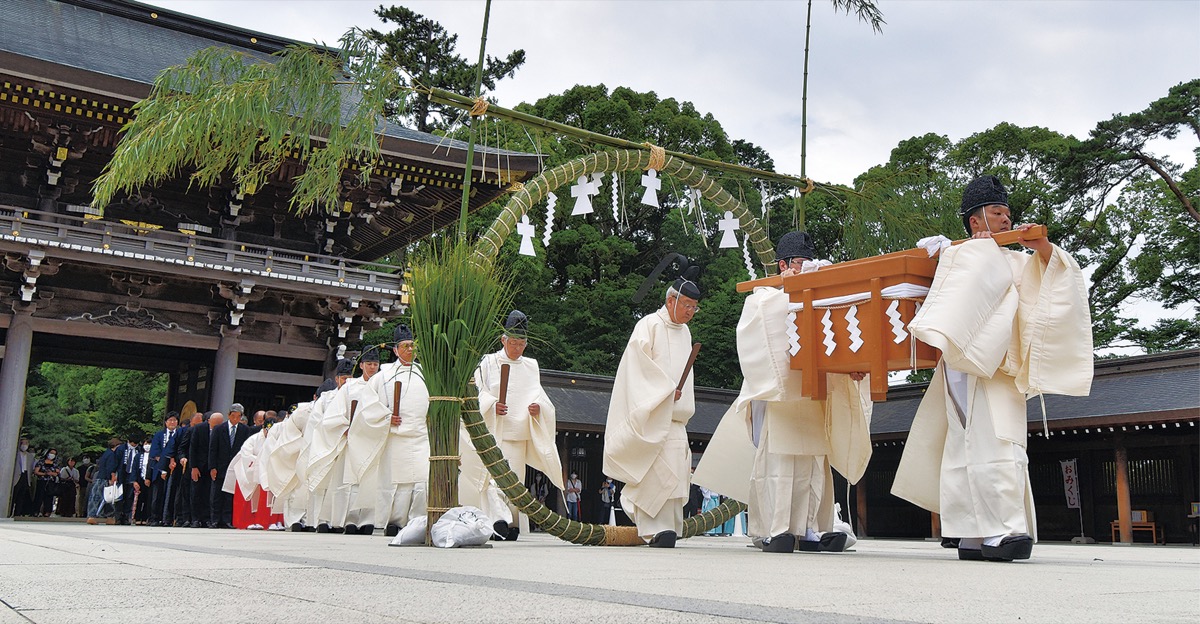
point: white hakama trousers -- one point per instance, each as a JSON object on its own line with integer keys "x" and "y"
{"x": 295, "y": 507}
{"x": 786, "y": 491}
{"x": 985, "y": 489}
{"x": 514, "y": 452}
{"x": 655, "y": 504}
{"x": 400, "y": 474}
{"x": 339, "y": 494}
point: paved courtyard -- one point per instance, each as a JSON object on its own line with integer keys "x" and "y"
{"x": 70, "y": 572}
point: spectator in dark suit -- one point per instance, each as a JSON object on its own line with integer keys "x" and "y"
{"x": 225, "y": 441}
{"x": 198, "y": 479}
{"x": 160, "y": 464}
{"x": 145, "y": 479}
{"x": 180, "y": 477}
{"x": 130, "y": 457}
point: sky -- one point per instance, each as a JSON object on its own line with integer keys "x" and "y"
{"x": 951, "y": 67}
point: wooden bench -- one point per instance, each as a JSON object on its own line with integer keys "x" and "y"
{"x": 1156, "y": 533}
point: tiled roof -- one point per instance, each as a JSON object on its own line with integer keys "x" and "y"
{"x": 120, "y": 39}
{"x": 1137, "y": 387}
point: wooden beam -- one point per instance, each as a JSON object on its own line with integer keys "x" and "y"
{"x": 123, "y": 334}
{"x": 1124, "y": 511}
{"x": 274, "y": 377}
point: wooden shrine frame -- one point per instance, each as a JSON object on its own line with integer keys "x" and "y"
{"x": 868, "y": 319}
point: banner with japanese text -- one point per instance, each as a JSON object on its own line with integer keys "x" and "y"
{"x": 1070, "y": 472}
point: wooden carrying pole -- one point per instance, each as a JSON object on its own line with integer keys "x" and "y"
{"x": 1004, "y": 238}
{"x": 687, "y": 369}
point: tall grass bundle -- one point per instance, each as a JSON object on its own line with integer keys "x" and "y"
{"x": 455, "y": 307}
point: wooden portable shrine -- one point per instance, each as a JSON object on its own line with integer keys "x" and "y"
{"x": 853, "y": 316}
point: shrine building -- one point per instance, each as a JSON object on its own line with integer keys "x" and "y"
{"x": 224, "y": 289}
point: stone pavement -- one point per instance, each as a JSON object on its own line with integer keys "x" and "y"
{"x": 67, "y": 572}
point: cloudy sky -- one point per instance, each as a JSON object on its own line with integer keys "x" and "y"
{"x": 954, "y": 67}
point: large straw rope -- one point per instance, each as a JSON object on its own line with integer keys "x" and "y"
{"x": 570, "y": 530}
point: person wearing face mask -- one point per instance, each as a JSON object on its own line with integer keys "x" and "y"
{"x": 573, "y": 491}
{"x": 108, "y": 469}
{"x": 1010, "y": 326}
{"x": 47, "y": 482}
{"x": 523, "y": 426}
{"x": 645, "y": 441}
{"x": 144, "y": 477}
{"x": 68, "y": 488}
{"x": 775, "y": 449}
{"x": 87, "y": 473}
{"x": 132, "y": 457}
{"x": 23, "y": 480}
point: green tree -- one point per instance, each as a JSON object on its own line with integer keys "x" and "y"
{"x": 578, "y": 291}
{"x": 77, "y": 408}
{"x": 425, "y": 51}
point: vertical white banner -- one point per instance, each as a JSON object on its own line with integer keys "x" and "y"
{"x": 1071, "y": 482}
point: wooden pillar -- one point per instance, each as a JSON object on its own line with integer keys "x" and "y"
{"x": 935, "y": 526}
{"x": 860, "y": 511}
{"x": 18, "y": 344}
{"x": 1124, "y": 511}
{"x": 224, "y": 376}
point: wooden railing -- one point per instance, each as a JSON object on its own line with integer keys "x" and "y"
{"x": 110, "y": 238}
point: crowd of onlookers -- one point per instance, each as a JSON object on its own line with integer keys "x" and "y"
{"x": 173, "y": 477}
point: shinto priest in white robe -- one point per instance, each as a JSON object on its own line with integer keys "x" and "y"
{"x": 327, "y": 457}
{"x": 1010, "y": 326}
{"x": 394, "y": 457}
{"x": 281, "y": 473}
{"x": 524, "y": 440}
{"x": 645, "y": 439}
{"x": 774, "y": 448}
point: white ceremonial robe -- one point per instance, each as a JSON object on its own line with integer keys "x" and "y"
{"x": 327, "y": 461}
{"x": 397, "y": 459}
{"x": 774, "y": 448}
{"x": 282, "y": 476}
{"x": 524, "y": 440}
{"x": 645, "y": 439}
{"x": 315, "y": 498}
{"x": 1012, "y": 326}
{"x": 242, "y": 473}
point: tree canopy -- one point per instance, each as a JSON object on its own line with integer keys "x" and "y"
{"x": 76, "y": 409}
{"x": 426, "y": 52}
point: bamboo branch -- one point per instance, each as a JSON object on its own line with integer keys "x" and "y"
{"x": 453, "y": 99}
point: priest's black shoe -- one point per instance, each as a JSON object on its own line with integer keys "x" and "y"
{"x": 337, "y": 530}
{"x": 970, "y": 554}
{"x": 664, "y": 539}
{"x": 323, "y": 528}
{"x": 782, "y": 543}
{"x": 950, "y": 542}
{"x": 297, "y": 527}
{"x": 392, "y": 530}
{"x": 513, "y": 534}
{"x": 366, "y": 529}
{"x": 831, "y": 541}
{"x": 351, "y": 529}
{"x": 1010, "y": 548}
{"x": 499, "y": 531}
{"x": 309, "y": 529}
